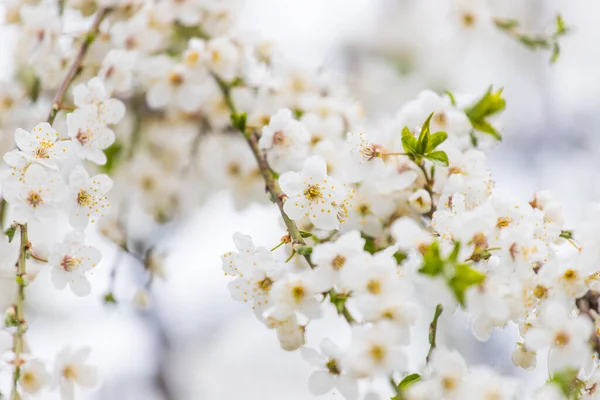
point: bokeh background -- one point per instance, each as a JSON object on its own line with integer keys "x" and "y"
{"x": 194, "y": 342}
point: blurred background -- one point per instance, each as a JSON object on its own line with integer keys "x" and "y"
{"x": 194, "y": 342}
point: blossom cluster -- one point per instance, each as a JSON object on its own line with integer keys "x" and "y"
{"x": 174, "y": 102}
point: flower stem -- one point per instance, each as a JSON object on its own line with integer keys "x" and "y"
{"x": 21, "y": 277}
{"x": 19, "y": 317}
{"x": 433, "y": 330}
{"x": 75, "y": 68}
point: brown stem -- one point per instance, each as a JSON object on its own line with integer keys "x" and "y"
{"x": 272, "y": 185}
{"x": 20, "y": 321}
{"x": 589, "y": 305}
{"x": 76, "y": 66}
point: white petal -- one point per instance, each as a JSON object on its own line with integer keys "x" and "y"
{"x": 320, "y": 382}
{"x": 58, "y": 278}
{"x": 79, "y": 285}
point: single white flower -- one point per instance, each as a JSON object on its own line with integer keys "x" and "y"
{"x": 295, "y": 293}
{"x": 71, "y": 370}
{"x": 34, "y": 377}
{"x": 70, "y": 261}
{"x": 285, "y": 141}
{"x": 373, "y": 352}
{"x": 87, "y": 198}
{"x": 329, "y": 375}
{"x": 110, "y": 111}
{"x": 89, "y": 135}
{"x": 313, "y": 194}
{"x": 41, "y": 145}
{"x": 36, "y": 195}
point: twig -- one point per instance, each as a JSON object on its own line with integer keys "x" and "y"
{"x": 25, "y": 245}
{"x": 19, "y": 317}
{"x": 76, "y": 66}
{"x": 271, "y": 184}
{"x": 433, "y": 330}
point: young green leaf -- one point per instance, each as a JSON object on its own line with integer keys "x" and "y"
{"x": 10, "y": 232}
{"x": 488, "y": 105}
{"x": 433, "y": 265}
{"x": 464, "y": 277}
{"x": 438, "y": 157}
{"x": 435, "y": 140}
{"x": 409, "y": 143}
{"x": 424, "y": 136}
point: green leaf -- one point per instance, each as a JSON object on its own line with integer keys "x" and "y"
{"x": 561, "y": 28}
{"x": 488, "y": 105}
{"x": 438, "y": 158}
{"x": 464, "y": 277}
{"x": 568, "y": 382}
{"x": 506, "y": 24}
{"x": 433, "y": 265}
{"x": 409, "y": 380}
{"x": 370, "y": 245}
{"x": 451, "y": 96}
{"x": 10, "y": 232}
{"x": 112, "y": 157}
{"x": 435, "y": 140}
{"x": 566, "y": 234}
{"x": 338, "y": 300}
{"x": 109, "y": 298}
{"x": 555, "y": 53}
{"x": 423, "y": 141}
{"x": 409, "y": 143}
{"x": 305, "y": 234}
{"x": 400, "y": 256}
{"x": 303, "y": 250}
{"x": 239, "y": 121}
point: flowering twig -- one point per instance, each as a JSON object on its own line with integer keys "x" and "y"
{"x": 273, "y": 188}
{"x": 76, "y": 66}
{"x": 433, "y": 330}
{"x": 19, "y": 318}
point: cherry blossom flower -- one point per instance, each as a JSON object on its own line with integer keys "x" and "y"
{"x": 87, "y": 199}
{"x": 71, "y": 370}
{"x": 313, "y": 194}
{"x": 329, "y": 374}
{"x": 70, "y": 261}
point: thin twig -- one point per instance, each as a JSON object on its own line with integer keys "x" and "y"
{"x": 76, "y": 66}
{"x": 19, "y": 317}
{"x": 271, "y": 184}
{"x": 25, "y": 245}
{"x": 433, "y": 330}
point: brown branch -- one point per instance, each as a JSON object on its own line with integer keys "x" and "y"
{"x": 75, "y": 68}
{"x": 273, "y": 188}
{"x": 589, "y": 305}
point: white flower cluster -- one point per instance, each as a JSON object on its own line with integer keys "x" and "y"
{"x": 413, "y": 217}
{"x": 380, "y": 219}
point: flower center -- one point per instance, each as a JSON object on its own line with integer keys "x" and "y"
{"x": 468, "y": 19}
{"x": 570, "y": 275}
{"x": 84, "y": 198}
{"x": 377, "y": 353}
{"x": 83, "y": 136}
{"x": 298, "y": 293}
{"x": 313, "y": 192}
{"x": 69, "y": 372}
{"x": 374, "y": 286}
{"x": 278, "y": 138}
{"x": 192, "y": 58}
{"x": 234, "y": 169}
{"x": 175, "y": 79}
{"x": 68, "y": 263}
{"x": 338, "y": 262}
{"x": 540, "y": 292}
{"x": 503, "y": 222}
{"x": 448, "y": 383}
{"x": 364, "y": 209}
{"x": 34, "y": 199}
{"x": 561, "y": 339}
{"x": 332, "y": 367}
{"x": 41, "y": 152}
{"x": 265, "y": 284}
{"x": 29, "y": 380}
{"x": 440, "y": 118}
